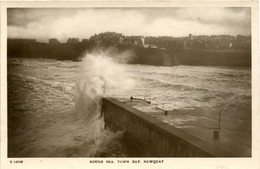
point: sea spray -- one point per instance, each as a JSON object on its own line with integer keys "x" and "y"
{"x": 116, "y": 54}
{"x": 98, "y": 73}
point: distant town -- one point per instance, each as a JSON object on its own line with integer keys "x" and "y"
{"x": 73, "y": 48}
{"x": 201, "y": 42}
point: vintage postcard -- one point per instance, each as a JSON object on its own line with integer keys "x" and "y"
{"x": 130, "y": 84}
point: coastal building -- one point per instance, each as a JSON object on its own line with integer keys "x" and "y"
{"x": 190, "y": 37}
{"x": 53, "y": 41}
{"x": 84, "y": 40}
{"x": 73, "y": 40}
{"x": 121, "y": 40}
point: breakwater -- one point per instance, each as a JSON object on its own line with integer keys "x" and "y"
{"x": 148, "y": 137}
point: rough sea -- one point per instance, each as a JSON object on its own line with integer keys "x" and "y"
{"x": 54, "y": 106}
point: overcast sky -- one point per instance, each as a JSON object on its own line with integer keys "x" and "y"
{"x": 42, "y": 24}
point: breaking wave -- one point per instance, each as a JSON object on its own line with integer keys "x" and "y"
{"x": 97, "y": 73}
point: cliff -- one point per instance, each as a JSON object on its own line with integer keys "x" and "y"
{"x": 148, "y": 56}
{"x": 214, "y": 58}
{"x": 153, "y": 56}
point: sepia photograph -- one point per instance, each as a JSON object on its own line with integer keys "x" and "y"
{"x": 129, "y": 84}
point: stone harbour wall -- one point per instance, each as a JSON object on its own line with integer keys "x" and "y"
{"x": 145, "y": 136}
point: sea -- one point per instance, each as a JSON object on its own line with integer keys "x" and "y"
{"x": 54, "y": 106}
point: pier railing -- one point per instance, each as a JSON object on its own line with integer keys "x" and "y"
{"x": 146, "y": 136}
{"x": 157, "y": 104}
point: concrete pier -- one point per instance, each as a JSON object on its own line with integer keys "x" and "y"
{"x": 146, "y": 136}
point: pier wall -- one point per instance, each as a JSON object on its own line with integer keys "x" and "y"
{"x": 148, "y": 137}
